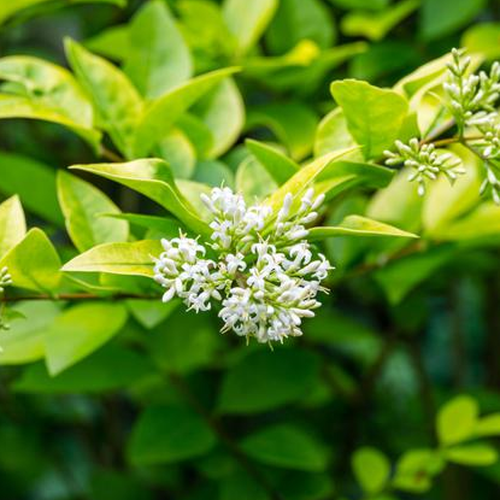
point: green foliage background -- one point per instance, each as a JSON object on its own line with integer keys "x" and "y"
{"x": 133, "y": 399}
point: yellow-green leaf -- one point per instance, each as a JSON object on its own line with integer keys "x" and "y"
{"x": 12, "y": 224}
{"x": 115, "y": 99}
{"x": 163, "y": 112}
{"x": 134, "y": 259}
{"x": 33, "y": 263}
{"x": 374, "y": 116}
{"x": 152, "y": 178}
{"x": 83, "y": 205}
{"x": 356, "y": 225}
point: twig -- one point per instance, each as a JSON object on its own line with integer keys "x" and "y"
{"x": 77, "y": 297}
{"x": 455, "y": 140}
{"x": 111, "y": 155}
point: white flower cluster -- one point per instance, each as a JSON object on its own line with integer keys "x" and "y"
{"x": 425, "y": 161}
{"x": 5, "y": 279}
{"x": 263, "y": 271}
{"x": 472, "y": 97}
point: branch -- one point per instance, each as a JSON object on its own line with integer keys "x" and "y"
{"x": 77, "y": 297}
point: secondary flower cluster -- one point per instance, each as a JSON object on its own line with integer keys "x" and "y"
{"x": 263, "y": 271}
{"x": 425, "y": 161}
{"x": 471, "y": 98}
{"x": 5, "y": 279}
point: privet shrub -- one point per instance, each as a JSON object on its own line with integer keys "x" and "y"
{"x": 217, "y": 281}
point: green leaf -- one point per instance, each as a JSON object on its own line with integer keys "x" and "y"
{"x": 82, "y": 205}
{"x": 108, "y": 484}
{"x": 165, "y": 226}
{"x": 12, "y": 224}
{"x": 168, "y": 434}
{"x": 341, "y": 175}
{"x": 483, "y": 39}
{"x": 374, "y": 116}
{"x": 247, "y": 21}
{"x": 361, "y": 4}
{"x": 482, "y": 222}
{"x": 296, "y": 20}
{"x": 163, "y": 112}
{"x": 254, "y": 181}
{"x": 12, "y": 106}
{"x": 488, "y": 426}
{"x": 24, "y": 342}
{"x": 304, "y": 178}
{"x": 384, "y": 60}
{"x": 445, "y": 17}
{"x": 113, "y": 43}
{"x": 33, "y": 263}
{"x": 456, "y": 420}
{"x": 375, "y": 26}
{"x": 116, "y": 101}
{"x": 212, "y": 173}
{"x": 10, "y": 8}
{"x": 332, "y": 134}
{"x": 400, "y": 277}
{"x": 479, "y": 455}
{"x": 397, "y": 204}
{"x": 265, "y": 380}
{"x": 45, "y": 88}
{"x": 444, "y": 202}
{"x": 284, "y": 445}
{"x": 39, "y": 195}
{"x": 152, "y": 178}
{"x": 279, "y": 166}
{"x": 150, "y": 313}
{"x": 206, "y": 32}
{"x": 241, "y": 485}
{"x": 223, "y": 112}
{"x": 372, "y": 469}
{"x": 134, "y": 259}
{"x": 355, "y": 225}
{"x": 293, "y": 123}
{"x": 416, "y": 468}
{"x": 186, "y": 342}
{"x": 158, "y": 58}
{"x": 50, "y": 85}
{"x": 79, "y": 331}
{"x": 108, "y": 369}
{"x": 297, "y": 485}
{"x": 179, "y": 152}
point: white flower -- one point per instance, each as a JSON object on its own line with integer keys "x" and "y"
{"x": 265, "y": 276}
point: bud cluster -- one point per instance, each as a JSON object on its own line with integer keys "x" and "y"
{"x": 263, "y": 271}
{"x": 472, "y": 97}
{"x": 5, "y": 279}
{"x": 425, "y": 161}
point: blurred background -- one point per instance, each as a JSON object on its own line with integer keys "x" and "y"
{"x": 383, "y": 353}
